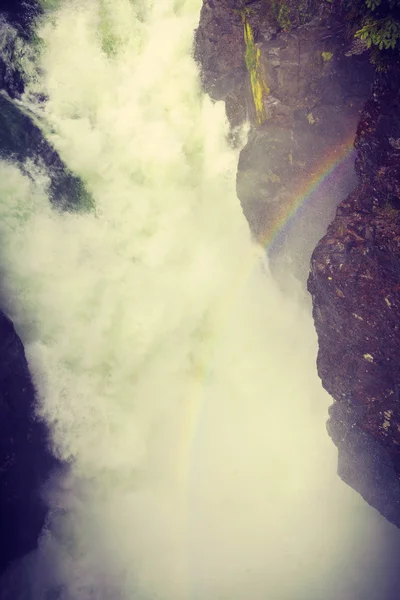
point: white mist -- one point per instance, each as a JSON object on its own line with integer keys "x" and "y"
{"x": 176, "y": 378}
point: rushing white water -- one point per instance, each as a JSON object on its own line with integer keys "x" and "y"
{"x": 176, "y": 378}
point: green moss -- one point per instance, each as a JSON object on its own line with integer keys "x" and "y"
{"x": 49, "y": 4}
{"x": 292, "y": 13}
{"x": 283, "y": 14}
{"x": 110, "y": 40}
{"x": 327, "y": 56}
{"x": 259, "y": 86}
{"x": 284, "y": 17}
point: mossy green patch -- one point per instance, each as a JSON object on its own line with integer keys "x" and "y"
{"x": 327, "y": 56}
{"x": 110, "y": 40}
{"x": 49, "y": 4}
{"x": 259, "y": 86}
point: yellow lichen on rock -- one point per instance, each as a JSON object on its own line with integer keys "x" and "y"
{"x": 327, "y": 56}
{"x": 259, "y": 86}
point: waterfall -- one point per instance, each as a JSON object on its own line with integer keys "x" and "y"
{"x": 177, "y": 379}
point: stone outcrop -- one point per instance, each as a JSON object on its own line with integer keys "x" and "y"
{"x": 21, "y": 139}
{"x": 20, "y": 135}
{"x": 16, "y": 19}
{"x": 219, "y": 49}
{"x": 315, "y": 90}
{"x": 303, "y": 91}
{"x": 355, "y": 284}
{"x": 25, "y": 461}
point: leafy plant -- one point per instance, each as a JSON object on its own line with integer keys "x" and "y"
{"x": 383, "y": 33}
{"x": 376, "y": 22}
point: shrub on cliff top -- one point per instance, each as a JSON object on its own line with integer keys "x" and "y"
{"x": 377, "y": 23}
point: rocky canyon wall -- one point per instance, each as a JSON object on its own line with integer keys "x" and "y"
{"x": 306, "y": 88}
{"x": 25, "y": 458}
{"x": 301, "y": 89}
{"x": 354, "y": 281}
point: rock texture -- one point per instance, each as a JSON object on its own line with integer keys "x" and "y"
{"x": 355, "y": 284}
{"x": 303, "y": 91}
{"x": 307, "y": 92}
{"x": 21, "y": 139}
{"x": 16, "y": 19}
{"x": 25, "y": 461}
{"x": 20, "y": 135}
{"x": 219, "y": 49}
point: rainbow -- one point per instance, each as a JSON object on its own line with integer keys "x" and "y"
{"x": 191, "y": 416}
{"x": 328, "y": 168}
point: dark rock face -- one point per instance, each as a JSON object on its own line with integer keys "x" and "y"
{"x": 305, "y": 91}
{"x": 219, "y": 49}
{"x": 16, "y": 20}
{"x": 354, "y": 281}
{"x": 21, "y": 139}
{"x": 302, "y": 90}
{"x": 21, "y": 13}
{"x": 25, "y": 461}
{"x": 316, "y": 95}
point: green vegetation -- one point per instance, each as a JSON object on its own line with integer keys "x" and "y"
{"x": 49, "y": 4}
{"x": 259, "y": 86}
{"x": 283, "y": 14}
{"x": 377, "y": 23}
{"x": 110, "y": 40}
{"x": 292, "y": 13}
{"x": 327, "y": 56}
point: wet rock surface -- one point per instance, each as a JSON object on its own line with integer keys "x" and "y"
{"x": 16, "y": 20}
{"x": 355, "y": 284}
{"x": 316, "y": 96}
{"x": 316, "y": 99}
{"x": 311, "y": 91}
{"x": 22, "y": 140}
{"x": 25, "y": 461}
{"x": 219, "y": 49}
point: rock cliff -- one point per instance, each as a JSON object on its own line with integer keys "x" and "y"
{"x": 305, "y": 86}
{"x": 25, "y": 459}
{"x": 302, "y": 90}
{"x": 354, "y": 281}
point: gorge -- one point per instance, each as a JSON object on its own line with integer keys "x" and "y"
{"x": 175, "y": 443}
